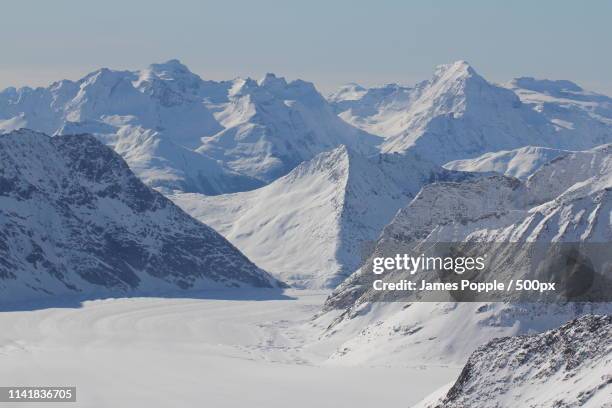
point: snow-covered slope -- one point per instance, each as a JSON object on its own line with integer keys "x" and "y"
{"x": 75, "y": 220}
{"x": 520, "y": 163}
{"x": 567, "y": 200}
{"x": 237, "y": 351}
{"x": 380, "y": 111}
{"x": 567, "y": 183}
{"x": 271, "y": 126}
{"x": 312, "y": 226}
{"x": 346, "y": 93}
{"x": 565, "y": 367}
{"x": 567, "y": 106}
{"x": 180, "y": 132}
{"x": 458, "y": 115}
{"x": 169, "y": 167}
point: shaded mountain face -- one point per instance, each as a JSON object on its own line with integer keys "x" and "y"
{"x": 76, "y": 220}
{"x": 314, "y": 226}
{"x": 180, "y": 132}
{"x": 459, "y": 115}
{"x": 564, "y": 367}
{"x": 566, "y": 200}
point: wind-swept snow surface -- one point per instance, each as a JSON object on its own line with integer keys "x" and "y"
{"x": 221, "y": 352}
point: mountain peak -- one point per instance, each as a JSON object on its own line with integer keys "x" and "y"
{"x": 335, "y": 162}
{"x": 171, "y": 70}
{"x": 169, "y": 81}
{"x": 105, "y": 76}
{"x": 276, "y": 87}
{"x": 347, "y": 92}
{"x": 170, "y": 66}
{"x": 271, "y": 80}
{"x": 353, "y": 85}
{"x": 340, "y": 194}
{"x": 456, "y": 70}
{"x": 341, "y": 152}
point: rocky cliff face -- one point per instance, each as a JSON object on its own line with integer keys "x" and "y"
{"x": 564, "y": 367}
{"x": 76, "y": 220}
{"x": 566, "y": 201}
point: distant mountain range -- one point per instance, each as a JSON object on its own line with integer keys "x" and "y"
{"x": 307, "y": 186}
{"x": 179, "y": 132}
{"x": 182, "y": 133}
{"x": 457, "y": 114}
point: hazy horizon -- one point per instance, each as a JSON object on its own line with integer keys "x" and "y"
{"x": 327, "y": 44}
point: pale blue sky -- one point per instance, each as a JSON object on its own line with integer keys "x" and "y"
{"x": 328, "y": 42}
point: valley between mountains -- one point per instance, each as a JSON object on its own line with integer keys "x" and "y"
{"x": 173, "y": 240}
{"x": 220, "y": 350}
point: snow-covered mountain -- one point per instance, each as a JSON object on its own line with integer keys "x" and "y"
{"x": 346, "y": 93}
{"x": 75, "y": 220}
{"x": 377, "y": 110}
{"x": 180, "y": 132}
{"x": 569, "y": 107}
{"x": 168, "y": 167}
{"x": 271, "y": 126}
{"x": 520, "y": 163}
{"x": 567, "y": 200}
{"x": 565, "y": 367}
{"x": 459, "y": 115}
{"x": 312, "y": 226}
